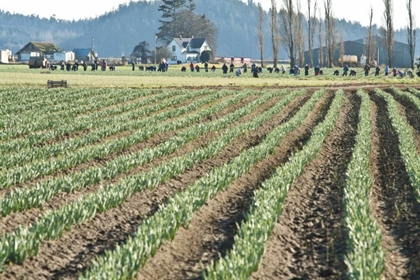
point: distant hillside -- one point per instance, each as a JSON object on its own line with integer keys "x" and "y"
{"x": 117, "y": 32}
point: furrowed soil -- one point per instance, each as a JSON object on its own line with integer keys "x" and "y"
{"x": 73, "y": 252}
{"x": 213, "y": 227}
{"x": 393, "y": 201}
{"x": 309, "y": 238}
{"x": 309, "y": 235}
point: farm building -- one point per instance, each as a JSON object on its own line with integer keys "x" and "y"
{"x": 37, "y": 49}
{"x": 187, "y": 49}
{"x": 64, "y": 56}
{"x": 5, "y": 56}
{"x": 86, "y": 54}
{"x": 401, "y": 55}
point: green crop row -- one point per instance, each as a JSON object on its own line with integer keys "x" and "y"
{"x": 21, "y": 124}
{"x": 125, "y": 260}
{"x": 365, "y": 257}
{"x": 25, "y": 241}
{"x": 41, "y": 168}
{"x": 99, "y": 128}
{"x": 406, "y": 142}
{"x": 267, "y": 207}
{"x": 22, "y": 199}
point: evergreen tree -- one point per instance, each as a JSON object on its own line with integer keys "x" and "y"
{"x": 169, "y": 10}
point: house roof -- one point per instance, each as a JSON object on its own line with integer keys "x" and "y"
{"x": 182, "y": 42}
{"x": 196, "y": 43}
{"x": 82, "y": 52}
{"x": 44, "y": 47}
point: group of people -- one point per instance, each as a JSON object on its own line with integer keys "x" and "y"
{"x": 75, "y": 66}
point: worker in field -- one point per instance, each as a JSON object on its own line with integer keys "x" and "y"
{"x": 245, "y": 67}
{"x": 394, "y": 71}
{"x": 192, "y": 66}
{"x": 377, "y": 70}
{"x": 283, "y": 69}
{"x": 410, "y": 73}
{"x": 225, "y": 68}
{"x": 345, "y": 70}
{"x": 367, "y": 69}
{"x": 386, "y": 70}
{"x": 306, "y": 70}
{"x": 232, "y": 67}
{"x": 316, "y": 70}
{"x": 206, "y": 66}
{"x": 238, "y": 72}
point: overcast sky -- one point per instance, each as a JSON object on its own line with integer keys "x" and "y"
{"x": 353, "y": 10}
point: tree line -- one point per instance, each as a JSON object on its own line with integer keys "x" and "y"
{"x": 288, "y": 25}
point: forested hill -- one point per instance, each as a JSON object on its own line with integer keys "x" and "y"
{"x": 119, "y": 31}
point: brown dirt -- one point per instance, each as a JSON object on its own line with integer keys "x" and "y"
{"x": 71, "y": 253}
{"x": 393, "y": 202}
{"x": 308, "y": 241}
{"x": 310, "y": 236}
{"x": 213, "y": 227}
{"x": 13, "y": 220}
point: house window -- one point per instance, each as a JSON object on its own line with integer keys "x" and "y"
{"x": 173, "y": 48}
{"x": 173, "y": 58}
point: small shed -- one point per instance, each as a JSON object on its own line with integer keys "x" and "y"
{"x": 45, "y": 49}
{"x": 5, "y": 56}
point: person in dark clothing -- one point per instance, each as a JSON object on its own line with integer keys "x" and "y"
{"x": 306, "y": 70}
{"x": 345, "y": 70}
{"x": 231, "y": 67}
{"x": 255, "y": 72}
{"x": 132, "y": 66}
{"x": 316, "y": 70}
{"x": 377, "y": 70}
{"x": 206, "y": 67}
{"x": 224, "y": 68}
{"x": 367, "y": 69}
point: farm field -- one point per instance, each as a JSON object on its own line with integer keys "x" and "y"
{"x": 286, "y": 178}
{"x": 123, "y": 76}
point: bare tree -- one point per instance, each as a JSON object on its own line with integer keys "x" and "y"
{"x": 287, "y": 30}
{"x": 370, "y": 47}
{"x": 311, "y": 30}
{"x": 342, "y": 47}
{"x": 260, "y": 32}
{"x": 275, "y": 36}
{"x": 330, "y": 36}
{"x": 300, "y": 36}
{"x": 320, "y": 37}
{"x": 411, "y": 30}
{"x": 387, "y": 31}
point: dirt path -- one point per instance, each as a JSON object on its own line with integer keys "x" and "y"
{"x": 308, "y": 241}
{"x": 393, "y": 203}
{"x": 213, "y": 227}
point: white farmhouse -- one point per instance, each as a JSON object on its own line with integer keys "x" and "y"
{"x": 187, "y": 49}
